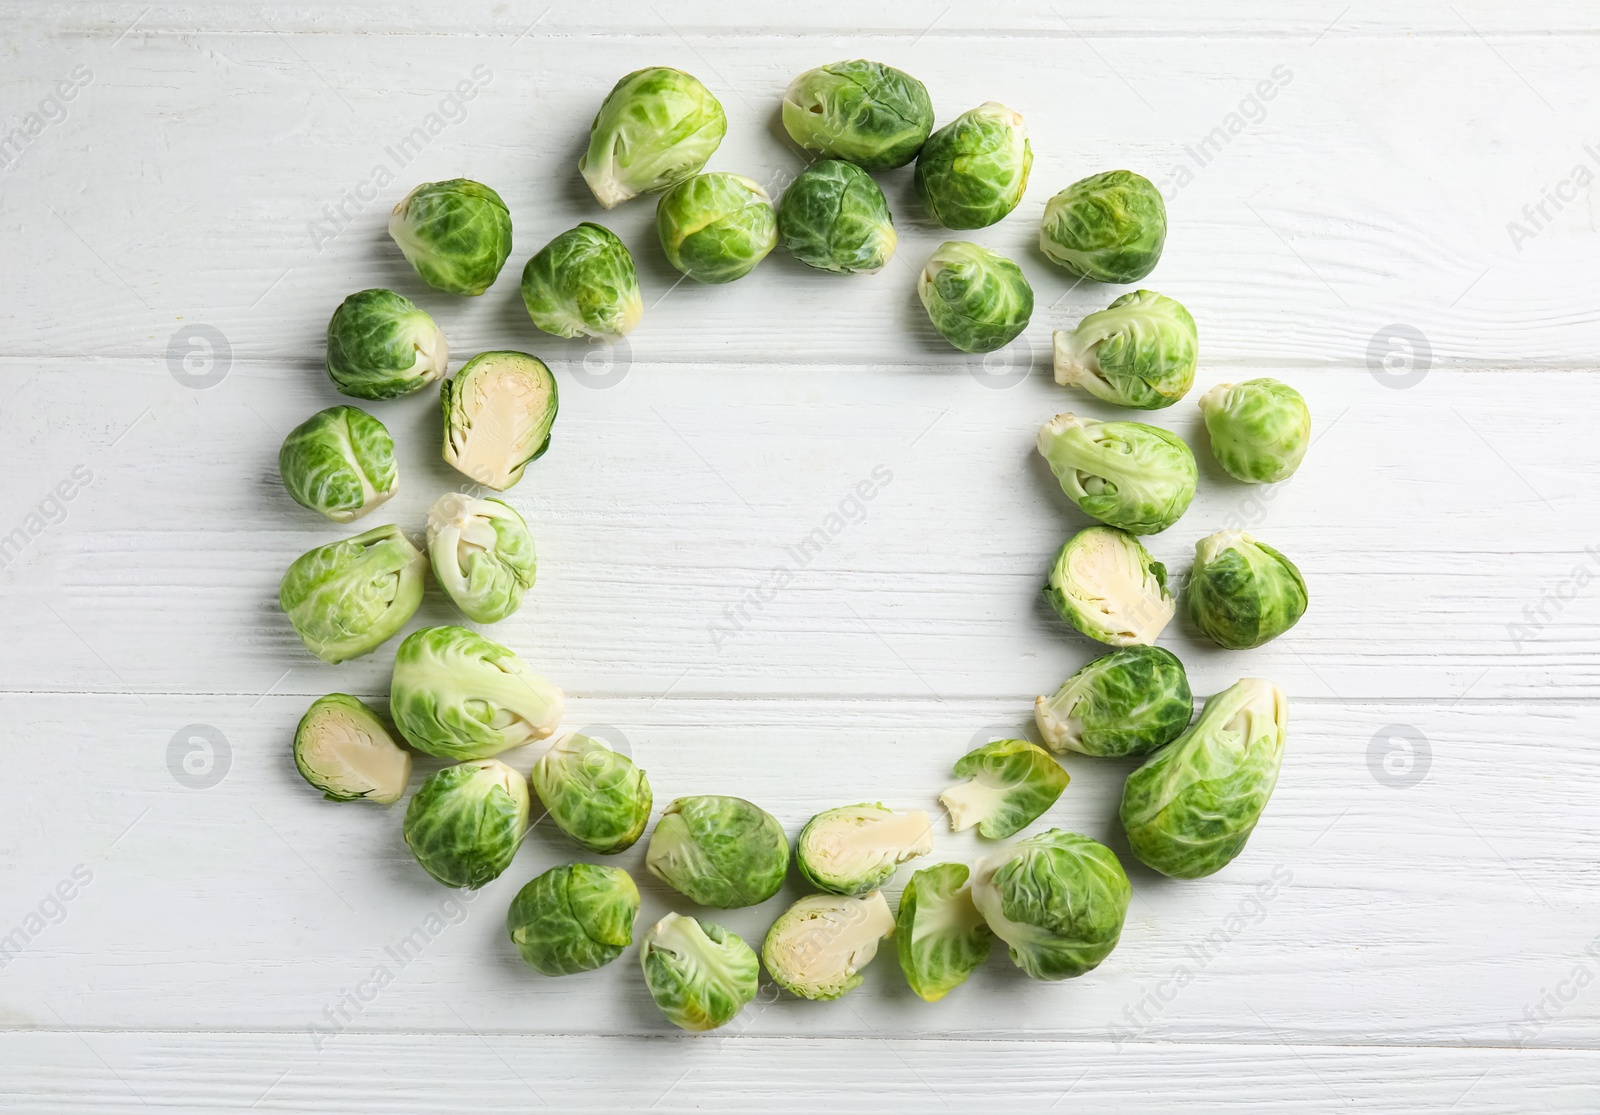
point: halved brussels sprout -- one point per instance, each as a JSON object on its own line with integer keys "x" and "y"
{"x": 482, "y": 555}
{"x": 1137, "y": 477}
{"x": 938, "y": 932}
{"x": 1259, "y": 429}
{"x": 457, "y": 695}
{"x": 343, "y": 748}
{"x": 1128, "y": 702}
{"x": 583, "y": 283}
{"x": 720, "y": 851}
{"x": 700, "y": 974}
{"x": 1140, "y": 351}
{"x": 834, "y": 217}
{"x": 978, "y": 300}
{"x": 594, "y": 794}
{"x": 1108, "y": 227}
{"x": 457, "y": 234}
{"x": 1191, "y": 807}
{"x": 972, "y": 171}
{"x": 465, "y": 822}
{"x": 497, "y": 416}
{"x": 380, "y": 346}
{"x": 855, "y": 848}
{"x": 346, "y": 598}
{"x": 870, "y": 114}
{"x": 1241, "y": 592}
{"x": 1010, "y": 783}
{"x": 1058, "y": 901}
{"x": 655, "y": 128}
{"x": 817, "y": 947}
{"x": 339, "y": 463}
{"x": 1107, "y": 585}
{"x": 574, "y": 918}
{"x": 716, "y": 227}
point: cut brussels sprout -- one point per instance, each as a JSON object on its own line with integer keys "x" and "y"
{"x": 1259, "y": 429}
{"x": 583, "y": 283}
{"x": 1010, "y": 783}
{"x": 1107, "y": 585}
{"x": 380, "y": 346}
{"x": 457, "y": 695}
{"x": 856, "y": 848}
{"x": 716, "y": 227}
{"x": 720, "y": 851}
{"x": 938, "y": 932}
{"x": 1128, "y": 702}
{"x": 339, "y": 463}
{"x": 1137, "y": 477}
{"x": 457, "y": 234}
{"x": 344, "y": 749}
{"x": 834, "y": 217}
{"x": 1241, "y": 592}
{"x": 574, "y": 918}
{"x": 1108, "y": 227}
{"x": 594, "y": 794}
{"x": 817, "y": 947}
{"x": 1139, "y": 352}
{"x": 972, "y": 171}
{"x": 655, "y": 128}
{"x": 867, "y": 113}
{"x": 465, "y": 822}
{"x": 978, "y": 300}
{"x": 346, "y": 598}
{"x": 700, "y": 974}
{"x": 497, "y": 416}
{"x": 1191, "y": 807}
{"x": 482, "y": 555}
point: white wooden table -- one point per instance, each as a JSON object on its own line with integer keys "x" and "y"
{"x": 1413, "y": 927}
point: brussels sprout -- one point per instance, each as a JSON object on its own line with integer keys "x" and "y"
{"x": 1137, "y": 352}
{"x": 465, "y": 822}
{"x": 574, "y": 918}
{"x": 482, "y": 554}
{"x": 834, "y": 217}
{"x": 867, "y": 113}
{"x": 346, "y": 598}
{"x": 344, "y": 749}
{"x": 583, "y": 283}
{"x": 1130, "y": 475}
{"x": 978, "y": 300}
{"x": 1010, "y": 783}
{"x": 1128, "y": 702}
{"x": 716, "y": 227}
{"x": 1191, "y": 807}
{"x": 594, "y": 794}
{"x": 972, "y": 171}
{"x": 1107, "y": 585}
{"x": 457, "y": 234}
{"x": 497, "y": 416}
{"x": 1259, "y": 429}
{"x": 1241, "y": 592}
{"x": 700, "y": 974}
{"x": 380, "y": 346}
{"x": 817, "y": 947}
{"x": 655, "y": 128}
{"x": 339, "y": 463}
{"x": 720, "y": 851}
{"x": 856, "y": 848}
{"x": 1057, "y": 900}
{"x": 1108, "y": 227}
{"x": 938, "y": 932}
{"x": 457, "y": 695}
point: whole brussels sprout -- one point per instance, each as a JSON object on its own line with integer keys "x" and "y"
{"x": 834, "y": 217}
{"x": 583, "y": 283}
{"x": 1128, "y": 702}
{"x": 594, "y": 794}
{"x": 972, "y": 171}
{"x": 457, "y": 234}
{"x": 938, "y": 932}
{"x": 716, "y": 227}
{"x": 1140, "y": 351}
{"x": 1057, "y": 900}
{"x": 867, "y": 113}
{"x": 344, "y": 599}
{"x": 856, "y": 848}
{"x": 1259, "y": 429}
{"x": 457, "y": 695}
{"x": 1010, "y": 783}
{"x": 482, "y": 555}
{"x": 574, "y": 918}
{"x": 1241, "y": 592}
{"x": 1107, "y": 585}
{"x": 719, "y": 851}
{"x": 1108, "y": 227}
{"x": 339, "y": 463}
{"x": 978, "y": 300}
{"x": 465, "y": 822}
{"x": 655, "y": 128}
{"x": 1191, "y": 807}
{"x": 817, "y": 947}
{"x": 343, "y": 748}
{"x": 380, "y": 346}
{"x": 497, "y": 416}
{"x": 700, "y": 974}
{"x": 1127, "y": 474}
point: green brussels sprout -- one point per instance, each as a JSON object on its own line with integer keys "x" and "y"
{"x": 1259, "y": 429}
{"x": 346, "y": 598}
{"x": 1057, "y": 900}
{"x": 574, "y": 918}
{"x": 594, "y": 794}
{"x": 380, "y": 346}
{"x": 457, "y": 234}
{"x": 1191, "y": 807}
{"x": 1139, "y": 352}
{"x": 1010, "y": 783}
{"x": 1241, "y": 592}
{"x": 457, "y": 695}
{"x": 497, "y": 416}
{"x": 1108, "y": 227}
{"x": 1128, "y": 702}
{"x": 716, "y": 227}
{"x": 700, "y": 974}
{"x": 339, "y": 463}
{"x": 720, "y": 851}
{"x": 655, "y": 128}
{"x": 465, "y": 822}
{"x": 482, "y": 555}
{"x": 978, "y": 300}
{"x": 583, "y": 283}
{"x": 1137, "y": 477}
{"x": 817, "y": 947}
{"x": 972, "y": 171}
{"x": 855, "y": 848}
{"x": 344, "y": 749}
{"x": 938, "y": 932}
{"x": 864, "y": 112}
{"x": 834, "y": 217}
{"x": 1107, "y": 585}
